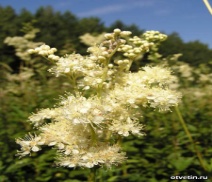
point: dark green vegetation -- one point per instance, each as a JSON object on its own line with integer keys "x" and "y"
{"x": 62, "y": 30}
{"x": 164, "y": 151}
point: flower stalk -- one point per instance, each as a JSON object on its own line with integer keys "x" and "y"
{"x": 199, "y": 155}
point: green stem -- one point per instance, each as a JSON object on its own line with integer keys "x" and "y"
{"x": 92, "y": 177}
{"x": 119, "y": 140}
{"x": 93, "y": 134}
{"x": 130, "y": 64}
{"x": 183, "y": 124}
{"x": 190, "y": 137}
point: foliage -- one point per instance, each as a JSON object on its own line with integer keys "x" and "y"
{"x": 194, "y": 53}
{"x": 62, "y": 30}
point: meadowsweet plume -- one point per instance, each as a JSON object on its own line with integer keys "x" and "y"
{"x": 105, "y": 103}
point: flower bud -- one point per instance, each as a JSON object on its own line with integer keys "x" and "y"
{"x": 54, "y": 49}
{"x": 42, "y": 53}
{"x": 110, "y": 65}
{"x": 45, "y": 47}
{"x": 119, "y": 62}
{"x": 31, "y": 51}
{"x": 126, "y": 33}
{"x": 108, "y": 36}
{"x": 123, "y": 41}
{"x": 105, "y": 53}
{"x": 101, "y": 58}
{"x": 37, "y": 49}
{"x": 117, "y": 31}
{"x": 126, "y": 61}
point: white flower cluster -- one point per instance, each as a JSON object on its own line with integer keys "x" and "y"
{"x": 154, "y": 36}
{"x": 140, "y": 45}
{"x": 26, "y": 74}
{"x": 30, "y": 143}
{"x": 77, "y": 132}
{"x": 91, "y": 40}
{"x": 149, "y": 87}
{"x": 22, "y": 44}
{"x": 205, "y": 78}
{"x": 45, "y": 50}
{"x": 72, "y": 64}
{"x": 107, "y": 155}
{"x": 106, "y": 103}
{"x": 156, "y": 74}
{"x": 185, "y": 70}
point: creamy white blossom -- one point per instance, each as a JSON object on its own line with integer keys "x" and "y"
{"x": 106, "y": 101}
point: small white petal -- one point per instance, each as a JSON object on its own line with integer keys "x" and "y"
{"x": 35, "y": 149}
{"x": 74, "y": 151}
{"x": 52, "y": 143}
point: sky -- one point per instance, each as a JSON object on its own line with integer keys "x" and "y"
{"x": 189, "y": 18}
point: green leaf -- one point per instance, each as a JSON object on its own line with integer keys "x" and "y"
{"x": 182, "y": 163}
{"x": 17, "y": 165}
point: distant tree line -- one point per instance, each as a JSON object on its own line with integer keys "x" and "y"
{"x": 62, "y": 30}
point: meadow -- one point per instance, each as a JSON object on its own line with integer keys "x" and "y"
{"x": 175, "y": 130}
